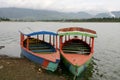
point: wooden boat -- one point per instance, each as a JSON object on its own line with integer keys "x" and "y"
{"x": 37, "y": 49}
{"x": 76, "y": 48}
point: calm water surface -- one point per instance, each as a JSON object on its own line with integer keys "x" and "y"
{"x": 106, "y": 61}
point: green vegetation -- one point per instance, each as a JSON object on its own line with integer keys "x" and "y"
{"x": 69, "y": 20}
{"x": 87, "y": 20}
{"x": 4, "y": 19}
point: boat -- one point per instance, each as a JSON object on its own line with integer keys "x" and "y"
{"x": 41, "y": 48}
{"x": 76, "y": 48}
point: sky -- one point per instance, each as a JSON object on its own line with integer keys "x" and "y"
{"x": 65, "y": 5}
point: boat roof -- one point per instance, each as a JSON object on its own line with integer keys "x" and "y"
{"x": 30, "y": 32}
{"x": 77, "y": 31}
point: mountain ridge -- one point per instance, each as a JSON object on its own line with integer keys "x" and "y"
{"x": 32, "y": 14}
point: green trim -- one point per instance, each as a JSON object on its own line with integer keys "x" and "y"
{"x": 52, "y": 66}
{"x": 77, "y": 33}
{"x": 75, "y": 69}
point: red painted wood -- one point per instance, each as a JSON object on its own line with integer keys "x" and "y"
{"x": 92, "y": 49}
{"x": 45, "y": 63}
{"x": 28, "y": 43}
{"x": 61, "y": 42}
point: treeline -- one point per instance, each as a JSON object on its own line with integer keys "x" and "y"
{"x": 4, "y": 19}
{"x": 69, "y": 20}
{"x": 87, "y": 20}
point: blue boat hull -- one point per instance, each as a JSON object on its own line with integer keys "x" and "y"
{"x": 52, "y": 66}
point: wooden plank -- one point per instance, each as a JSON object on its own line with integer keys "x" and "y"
{"x": 76, "y": 48}
{"x": 75, "y": 51}
{"x": 39, "y": 48}
{"x": 46, "y": 50}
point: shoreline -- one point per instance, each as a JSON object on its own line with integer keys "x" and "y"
{"x": 12, "y": 68}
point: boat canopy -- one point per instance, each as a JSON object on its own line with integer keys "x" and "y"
{"x": 32, "y": 33}
{"x": 77, "y": 31}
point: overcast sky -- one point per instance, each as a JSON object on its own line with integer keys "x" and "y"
{"x": 64, "y": 5}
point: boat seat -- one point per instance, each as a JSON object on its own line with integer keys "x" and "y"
{"x": 77, "y": 48}
{"x": 79, "y": 52}
{"x": 45, "y": 50}
{"x": 39, "y": 47}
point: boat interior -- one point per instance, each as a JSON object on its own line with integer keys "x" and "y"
{"x": 76, "y": 46}
{"x": 39, "y": 46}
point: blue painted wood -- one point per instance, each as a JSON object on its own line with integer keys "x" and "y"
{"x": 52, "y": 66}
{"x": 40, "y": 33}
{"x": 32, "y": 57}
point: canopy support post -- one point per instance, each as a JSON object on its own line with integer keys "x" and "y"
{"x": 22, "y": 39}
{"x": 68, "y": 37}
{"x": 60, "y": 42}
{"x": 28, "y": 42}
{"x": 56, "y": 42}
{"x": 82, "y": 37}
{"x": 92, "y": 48}
{"x": 43, "y": 37}
{"x": 53, "y": 41}
{"x": 50, "y": 39}
{"x": 85, "y": 38}
{"x": 37, "y": 38}
{"x": 90, "y": 41}
{"x": 65, "y": 38}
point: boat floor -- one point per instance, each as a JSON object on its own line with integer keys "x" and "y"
{"x": 78, "y": 47}
{"x": 38, "y": 46}
{"x": 76, "y": 52}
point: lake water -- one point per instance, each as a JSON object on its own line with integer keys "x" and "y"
{"x": 105, "y": 63}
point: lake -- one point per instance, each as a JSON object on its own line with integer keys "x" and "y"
{"x": 105, "y": 63}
